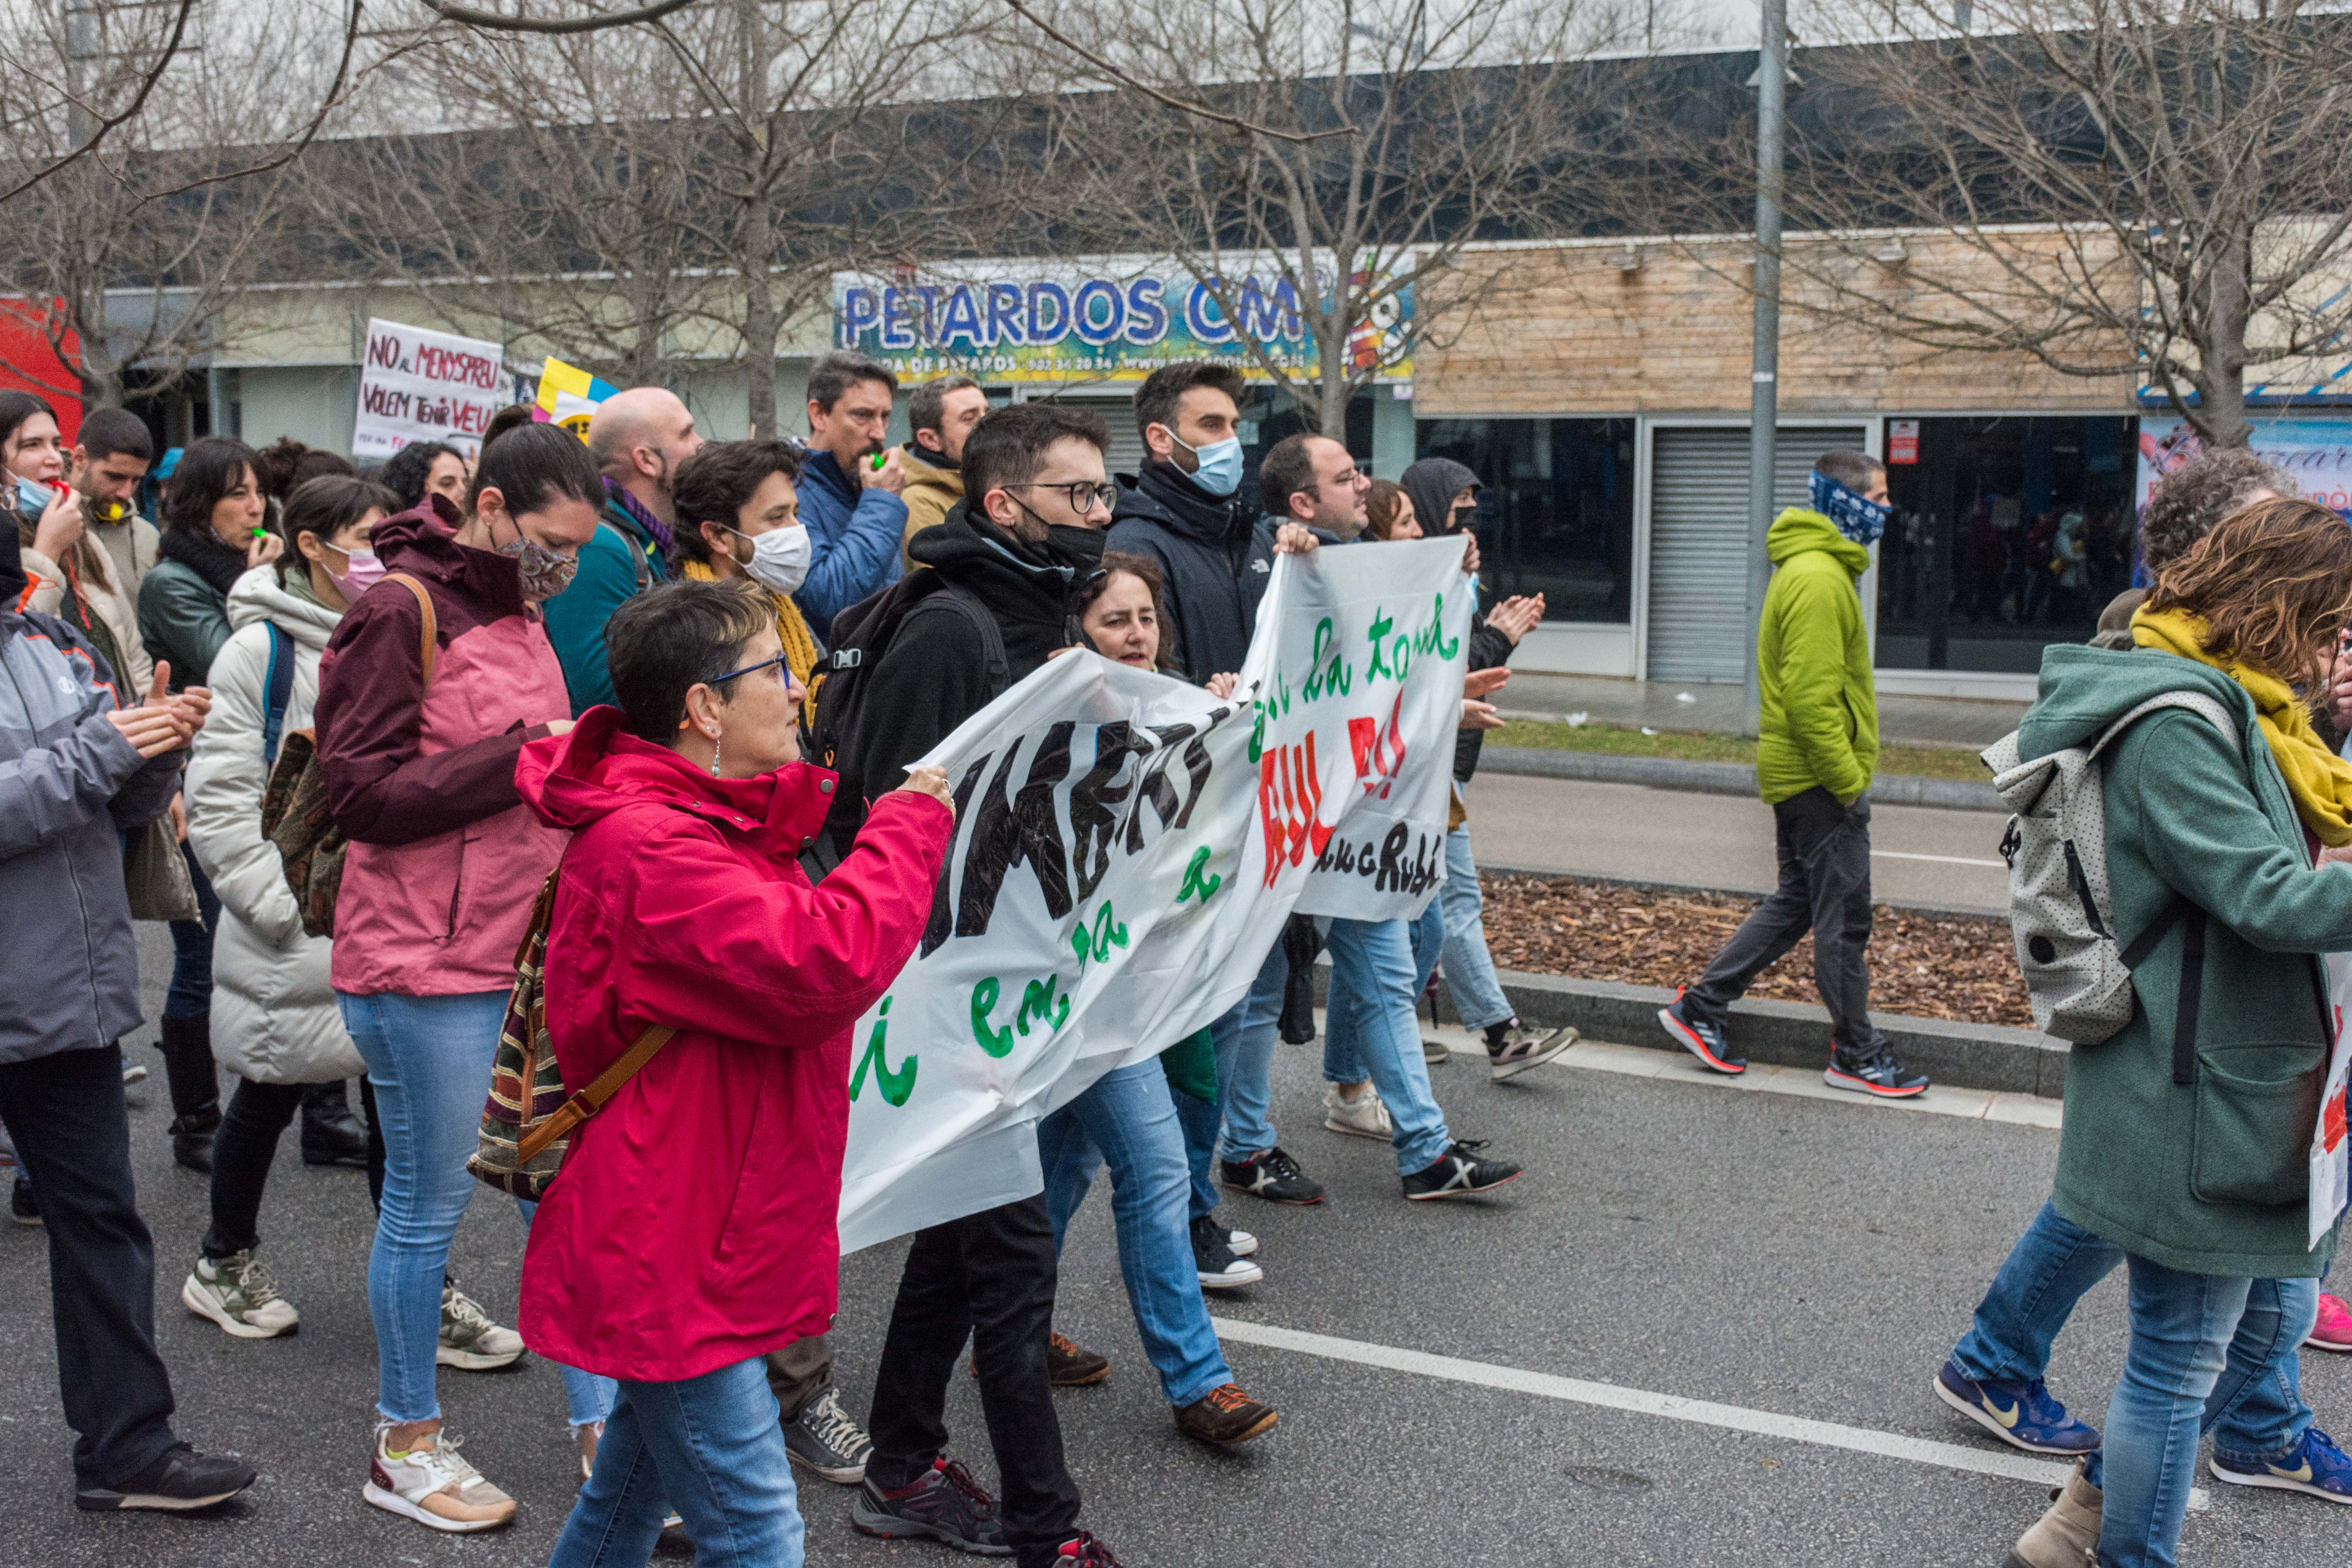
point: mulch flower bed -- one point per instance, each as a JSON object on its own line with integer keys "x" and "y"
{"x": 1925, "y": 966}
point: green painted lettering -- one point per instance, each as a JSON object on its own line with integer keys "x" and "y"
{"x": 1194, "y": 882}
{"x": 895, "y": 1084}
{"x": 996, "y": 1042}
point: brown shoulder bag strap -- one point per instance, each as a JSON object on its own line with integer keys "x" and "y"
{"x": 590, "y": 1099}
{"x": 432, "y": 625}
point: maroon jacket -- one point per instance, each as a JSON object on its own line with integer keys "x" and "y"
{"x": 444, "y": 859}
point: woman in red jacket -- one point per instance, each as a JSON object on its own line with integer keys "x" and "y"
{"x": 692, "y": 1229}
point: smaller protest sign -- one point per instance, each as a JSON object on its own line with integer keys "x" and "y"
{"x": 568, "y": 396}
{"x": 417, "y": 385}
{"x": 2331, "y": 1158}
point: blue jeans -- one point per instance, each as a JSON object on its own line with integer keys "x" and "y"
{"x": 1469, "y": 969}
{"x": 2198, "y": 1341}
{"x": 710, "y": 1447}
{"x": 1127, "y": 1118}
{"x": 428, "y": 1060}
{"x": 189, "y": 995}
{"x": 1243, "y": 1039}
{"x": 2256, "y": 1408}
{"x": 1370, "y": 1027}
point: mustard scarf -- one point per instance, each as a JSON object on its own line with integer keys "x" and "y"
{"x": 791, "y": 630}
{"x": 2319, "y": 780}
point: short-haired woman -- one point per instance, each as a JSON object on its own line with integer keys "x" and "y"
{"x": 692, "y": 1229}
{"x": 443, "y": 865}
{"x": 2195, "y": 1163}
{"x": 279, "y": 1029}
{"x": 212, "y": 534}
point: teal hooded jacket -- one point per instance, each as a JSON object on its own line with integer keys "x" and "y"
{"x": 2209, "y": 1177}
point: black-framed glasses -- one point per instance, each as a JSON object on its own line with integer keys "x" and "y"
{"x": 1082, "y": 495}
{"x": 750, "y": 670}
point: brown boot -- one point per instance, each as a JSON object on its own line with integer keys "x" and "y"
{"x": 1226, "y": 1415}
{"x": 2067, "y": 1536}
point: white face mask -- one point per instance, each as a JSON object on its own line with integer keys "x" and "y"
{"x": 780, "y": 557}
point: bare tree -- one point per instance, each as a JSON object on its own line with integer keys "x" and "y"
{"x": 147, "y": 164}
{"x": 1360, "y": 146}
{"x": 2151, "y": 188}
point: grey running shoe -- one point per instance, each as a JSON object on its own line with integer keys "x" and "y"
{"x": 1513, "y": 1048}
{"x": 469, "y": 1340}
{"x": 237, "y": 1293}
{"x": 824, "y": 1438}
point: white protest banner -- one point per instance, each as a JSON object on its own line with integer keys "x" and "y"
{"x": 2331, "y": 1158}
{"x": 1126, "y": 850}
{"x": 417, "y": 385}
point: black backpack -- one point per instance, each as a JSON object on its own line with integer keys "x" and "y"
{"x": 860, "y": 638}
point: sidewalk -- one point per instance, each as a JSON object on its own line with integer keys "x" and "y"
{"x": 1659, "y": 705}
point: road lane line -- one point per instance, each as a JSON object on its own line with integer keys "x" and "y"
{"x": 2010, "y": 1466}
{"x": 1939, "y": 859}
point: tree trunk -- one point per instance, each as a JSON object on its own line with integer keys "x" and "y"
{"x": 1331, "y": 386}
{"x": 2220, "y": 417}
{"x": 760, "y": 335}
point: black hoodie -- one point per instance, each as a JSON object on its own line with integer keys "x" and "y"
{"x": 935, "y": 673}
{"x": 1214, "y": 555}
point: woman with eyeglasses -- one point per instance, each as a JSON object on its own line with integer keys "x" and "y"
{"x": 418, "y": 745}
{"x": 713, "y": 1175}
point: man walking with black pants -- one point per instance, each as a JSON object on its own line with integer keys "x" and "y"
{"x": 1814, "y": 755}
{"x": 1034, "y": 505}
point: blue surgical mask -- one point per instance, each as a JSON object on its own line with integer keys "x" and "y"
{"x": 1220, "y": 470}
{"x": 1859, "y": 519}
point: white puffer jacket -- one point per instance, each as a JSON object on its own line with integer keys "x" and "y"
{"x": 274, "y": 1014}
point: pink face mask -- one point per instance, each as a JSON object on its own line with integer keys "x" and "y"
{"x": 362, "y": 572}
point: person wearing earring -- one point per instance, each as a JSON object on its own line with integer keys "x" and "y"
{"x": 715, "y": 1169}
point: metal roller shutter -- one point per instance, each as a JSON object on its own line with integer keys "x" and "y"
{"x": 1698, "y": 541}
{"x": 1125, "y": 453}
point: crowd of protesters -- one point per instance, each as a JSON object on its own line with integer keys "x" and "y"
{"x": 598, "y": 665}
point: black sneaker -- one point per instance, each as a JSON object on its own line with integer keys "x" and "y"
{"x": 1704, "y": 1041}
{"x": 22, "y": 1207}
{"x": 1271, "y": 1174}
{"x": 946, "y": 1506}
{"x": 1215, "y": 1260}
{"x": 825, "y": 1439}
{"x": 1873, "y": 1072}
{"x": 182, "y": 1481}
{"x": 1460, "y": 1173}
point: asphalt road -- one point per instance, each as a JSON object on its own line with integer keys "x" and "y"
{"x": 1793, "y": 1256}
{"x": 1941, "y": 860}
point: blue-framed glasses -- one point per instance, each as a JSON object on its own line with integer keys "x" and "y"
{"x": 751, "y": 668}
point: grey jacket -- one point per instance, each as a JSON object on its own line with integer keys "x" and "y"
{"x": 69, "y": 783}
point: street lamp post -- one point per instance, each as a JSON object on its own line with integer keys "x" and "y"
{"x": 1764, "y": 403}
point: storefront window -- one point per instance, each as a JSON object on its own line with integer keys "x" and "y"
{"x": 2009, "y": 533}
{"x": 1556, "y": 514}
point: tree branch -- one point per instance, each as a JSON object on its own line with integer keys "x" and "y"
{"x": 138, "y": 100}
{"x": 494, "y": 21}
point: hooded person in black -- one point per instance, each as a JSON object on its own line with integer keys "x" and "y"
{"x": 1187, "y": 513}
{"x": 1030, "y": 523}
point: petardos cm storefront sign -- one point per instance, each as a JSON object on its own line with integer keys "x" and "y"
{"x": 1108, "y": 319}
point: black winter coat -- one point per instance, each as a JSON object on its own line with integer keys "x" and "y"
{"x": 1214, "y": 555}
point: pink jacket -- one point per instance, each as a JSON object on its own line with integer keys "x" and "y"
{"x": 693, "y": 1224}
{"x": 444, "y": 859}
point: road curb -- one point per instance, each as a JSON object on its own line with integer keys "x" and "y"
{"x": 1786, "y": 1034}
{"x": 1720, "y": 778}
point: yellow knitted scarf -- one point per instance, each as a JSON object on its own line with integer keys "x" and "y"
{"x": 2319, "y": 780}
{"x": 800, "y": 647}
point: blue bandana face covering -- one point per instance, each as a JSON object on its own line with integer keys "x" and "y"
{"x": 1859, "y": 520}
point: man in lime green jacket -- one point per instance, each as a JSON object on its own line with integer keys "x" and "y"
{"x": 1817, "y": 749}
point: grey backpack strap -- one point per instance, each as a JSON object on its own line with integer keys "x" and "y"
{"x": 2196, "y": 702}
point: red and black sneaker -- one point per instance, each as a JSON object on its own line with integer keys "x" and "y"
{"x": 1704, "y": 1041}
{"x": 947, "y": 1506}
{"x": 1271, "y": 1174}
{"x": 1875, "y": 1072}
{"x": 1086, "y": 1552}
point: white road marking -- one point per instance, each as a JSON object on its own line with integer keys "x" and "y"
{"x": 2003, "y": 1463}
{"x": 1939, "y": 859}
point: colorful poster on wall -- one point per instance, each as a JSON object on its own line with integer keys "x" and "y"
{"x": 2316, "y": 453}
{"x": 417, "y": 384}
{"x": 568, "y": 396}
{"x": 1110, "y": 318}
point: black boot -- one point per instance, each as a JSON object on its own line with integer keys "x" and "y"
{"x": 331, "y": 1135}
{"x": 187, "y": 1047}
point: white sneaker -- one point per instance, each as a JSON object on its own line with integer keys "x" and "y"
{"x": 237, "y": 1293}
{"x": 469, "y": 1340}
{"x": 1240, "y": 1242}
{"x": 1363, "y": 1116}
{"x": 435, "y": 1486}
